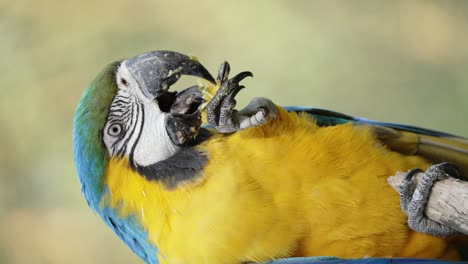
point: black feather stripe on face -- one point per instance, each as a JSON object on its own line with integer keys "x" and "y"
{"x": 132, "y": 151}
{"x": 124, "y": 110}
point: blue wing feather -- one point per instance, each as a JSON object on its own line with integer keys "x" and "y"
{"x": 330, "y": 118}
{"x": 333, "y": 260}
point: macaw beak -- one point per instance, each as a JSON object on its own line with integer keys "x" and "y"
{"x": 156, "y": 71}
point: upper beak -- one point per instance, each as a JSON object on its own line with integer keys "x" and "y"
{"x": 156, "y": 71}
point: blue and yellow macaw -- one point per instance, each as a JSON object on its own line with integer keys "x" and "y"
{"x": 254, "y": 185}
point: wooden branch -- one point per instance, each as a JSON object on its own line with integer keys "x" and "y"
{"x": 448, "y": 201}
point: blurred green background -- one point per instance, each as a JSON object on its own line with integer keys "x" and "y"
{"x": 400, "y": 61}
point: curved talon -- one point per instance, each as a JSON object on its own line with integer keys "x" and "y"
{"x": 241, "y": 76}
{"x": 220, "y": 110}
{"x": 414, "y": 197}
{"x": 230, "y": 97}
{"x": 450, "y": 169}
{"x": 223, "y": 72}
{"x": 411, "y": 174}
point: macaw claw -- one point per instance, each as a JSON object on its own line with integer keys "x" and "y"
{"x": 414, "y": 196}
{"x": 220, "y": 110}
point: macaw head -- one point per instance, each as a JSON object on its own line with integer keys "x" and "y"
{"x": 127, "y": 111}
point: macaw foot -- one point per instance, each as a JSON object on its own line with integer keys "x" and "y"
{"x": 414, "y": 196}
{"x": 220, "y": 110}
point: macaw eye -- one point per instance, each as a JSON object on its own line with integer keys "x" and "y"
{"x": 115, "y": 130}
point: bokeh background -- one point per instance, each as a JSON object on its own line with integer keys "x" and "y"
{"x": 400, "y": 61}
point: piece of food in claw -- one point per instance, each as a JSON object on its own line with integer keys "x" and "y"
{"x": 187, "y": 101}
{"x": 208, "y": 90}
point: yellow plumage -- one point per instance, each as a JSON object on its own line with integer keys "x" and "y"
{"x": 284, "y": 188}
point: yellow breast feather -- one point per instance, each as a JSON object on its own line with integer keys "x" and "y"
{"x": 281, "y": 189}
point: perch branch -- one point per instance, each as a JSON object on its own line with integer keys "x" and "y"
{"x": 448, "y": 201}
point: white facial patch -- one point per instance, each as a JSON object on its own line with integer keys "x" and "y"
{"x": 135, "y": 125}
{"x": 154, "y": 144}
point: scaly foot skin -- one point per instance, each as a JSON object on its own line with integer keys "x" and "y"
{"x": 414, "y": 196}
{"x": 220, "y": 110}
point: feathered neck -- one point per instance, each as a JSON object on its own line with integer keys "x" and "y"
{"x": 90, "y": 154}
